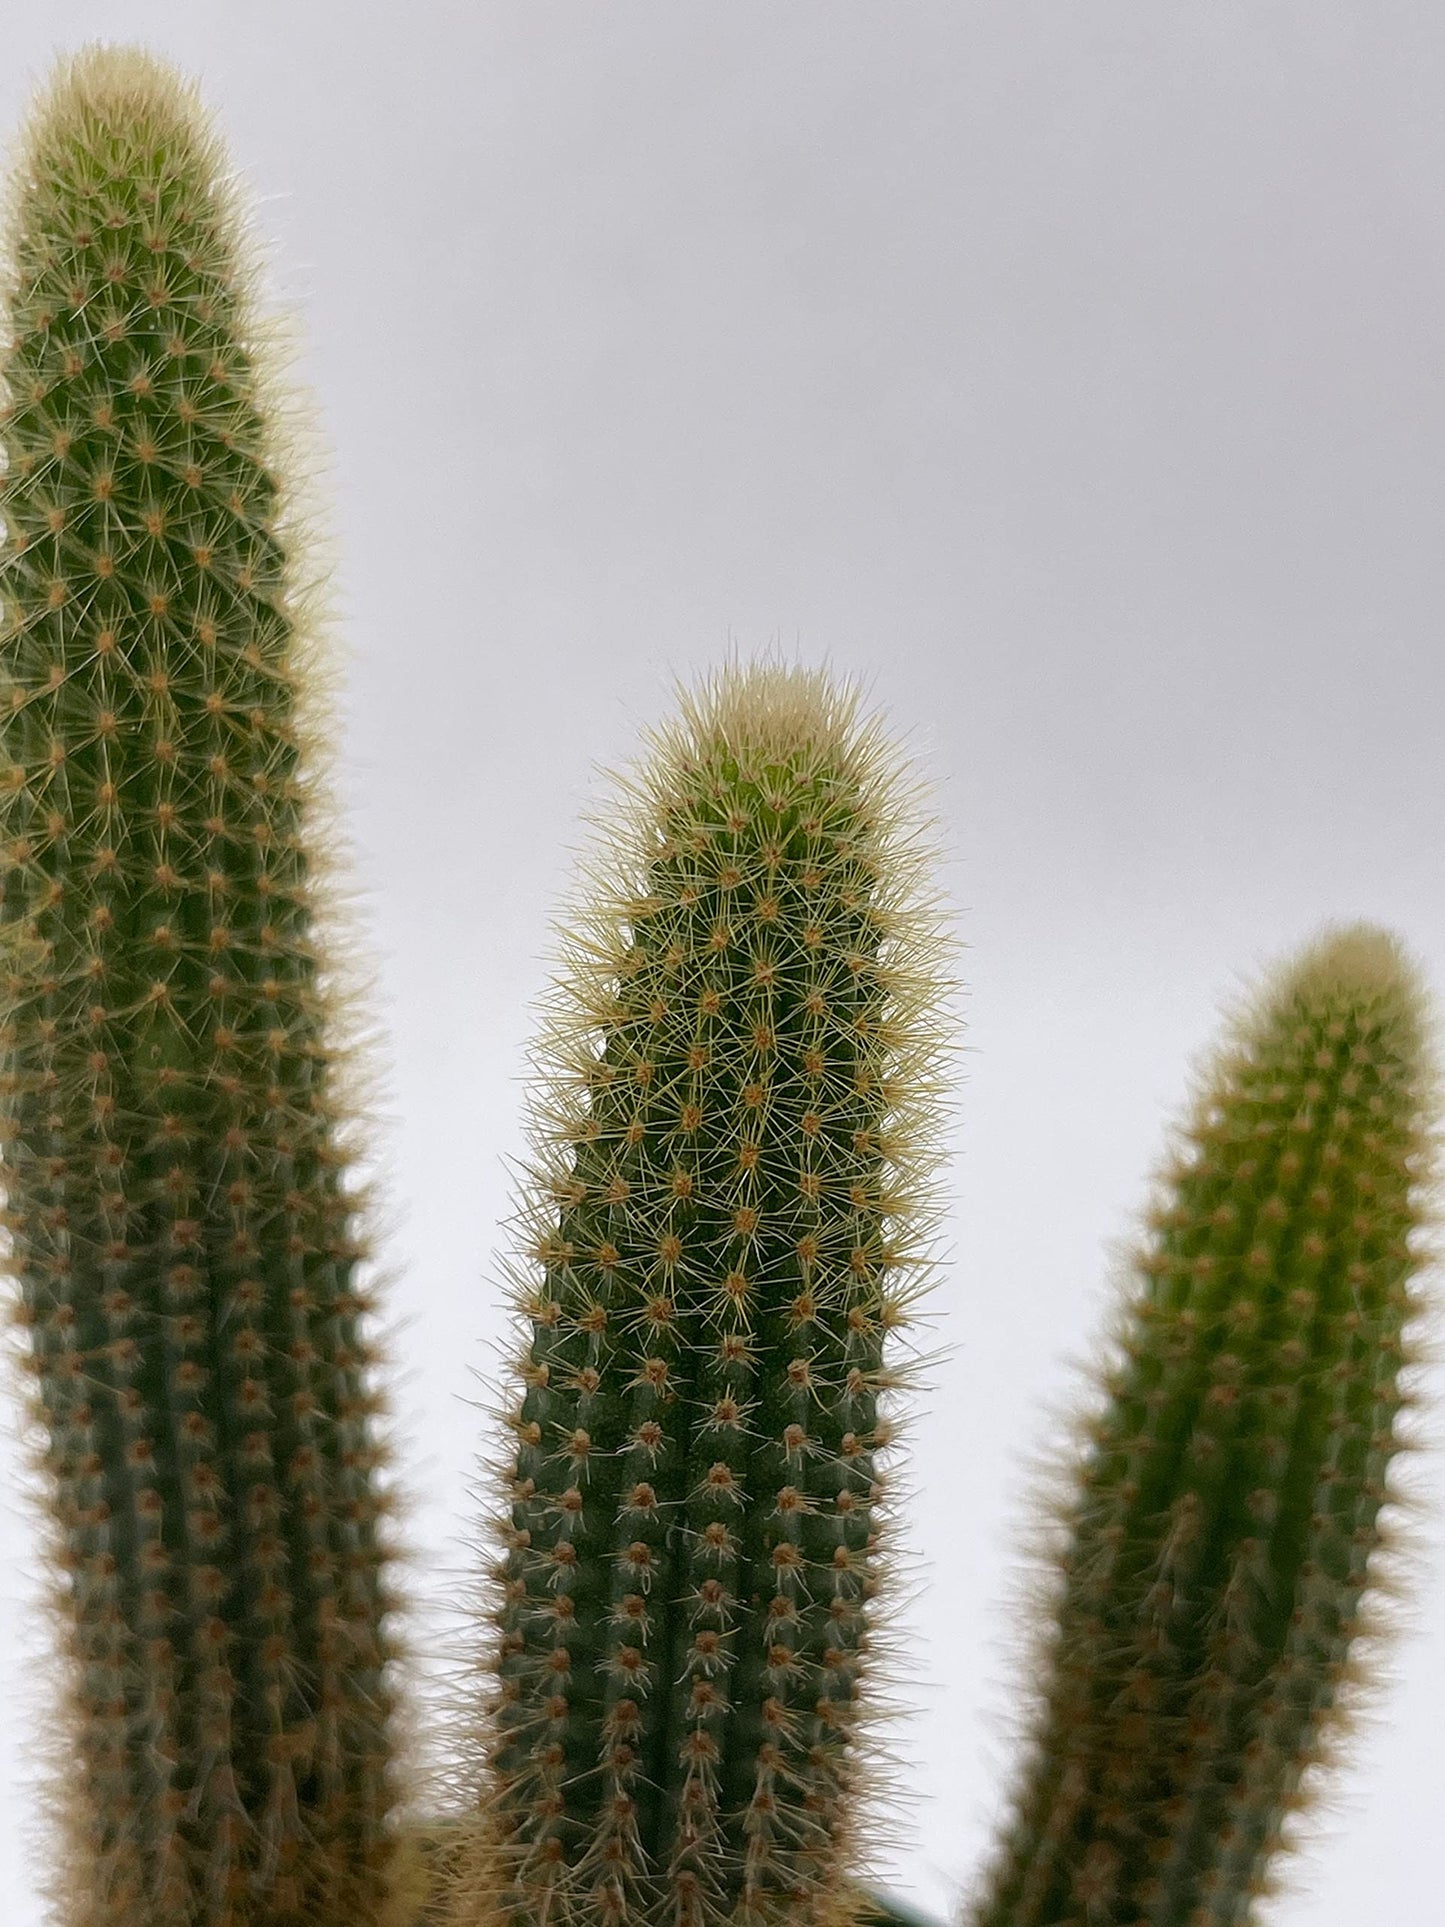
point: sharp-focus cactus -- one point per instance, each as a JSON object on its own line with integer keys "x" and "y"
{"x": 730, "y": 1206}
{"x": 1222, "y": 1522}
{"x": 182, "y": 1229}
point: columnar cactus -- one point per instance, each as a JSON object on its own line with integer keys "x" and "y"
{"x": 1223, "y": 1519}
{"x": 181, "y": 1223}
{"x": 727, "y": 1217}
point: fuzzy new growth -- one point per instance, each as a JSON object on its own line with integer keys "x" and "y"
{"x": 1221, "y": 1527}
{"x": 174, "y": 1162}
{"x": 728, "y": 1217}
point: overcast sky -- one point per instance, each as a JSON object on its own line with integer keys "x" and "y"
{"x": 1071, "y": 373}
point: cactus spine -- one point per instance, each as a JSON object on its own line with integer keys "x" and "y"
{"x": 730, "y": 1202}
{"x": 175, "y": 1164}
{"x": 1221, "y": 1527}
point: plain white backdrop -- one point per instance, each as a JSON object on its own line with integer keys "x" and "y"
{"x": 1071, "y": 373}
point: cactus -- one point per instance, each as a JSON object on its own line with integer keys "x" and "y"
{"x": 728, "y": 1213}
{"x": 1222, "y": 1520}
{"x": 726, "y": 1222}
{"x": 183, "y": 1230}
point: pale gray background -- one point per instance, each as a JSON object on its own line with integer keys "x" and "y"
{"x": 1072, "y": 373}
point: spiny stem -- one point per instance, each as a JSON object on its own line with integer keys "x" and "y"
{"x": 727, "y": 1216}
{"x": 1222, "y": 1526}
{"x": 182, "y": 1229}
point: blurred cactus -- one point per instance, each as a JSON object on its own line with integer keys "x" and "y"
{"x": 181, "y": 1225}
{"x": 1221, "y": 1524}
{"x": 729, "y": 1210}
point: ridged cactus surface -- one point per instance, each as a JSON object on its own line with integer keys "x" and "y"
{"x": 731, "y": 1203}
{"x": 181, "y": 1226}
{"x": 1223, "y": 1522}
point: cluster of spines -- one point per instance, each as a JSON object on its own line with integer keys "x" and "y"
{"x": 1221, "y": 1528}
{"x": 181, "y": 1224}
{"x": 726, "y": 1219}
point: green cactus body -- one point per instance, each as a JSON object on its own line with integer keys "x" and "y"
{"x": 727, "y": 1216}
{"x": 182, "y": 1231}
{"x": 1222, "y": 1523}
